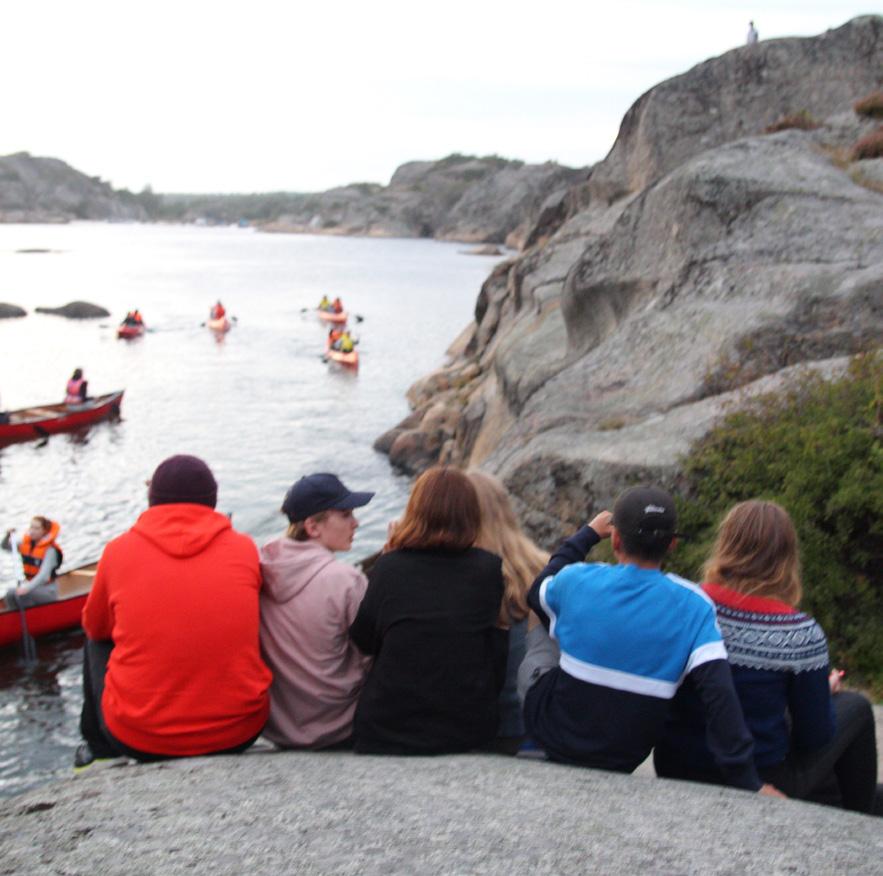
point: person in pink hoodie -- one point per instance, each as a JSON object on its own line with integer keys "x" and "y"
{"x": 308, "y": 601}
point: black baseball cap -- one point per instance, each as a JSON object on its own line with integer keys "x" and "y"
{"x": 646, "y": 516}
{"x": 320, "y": 492}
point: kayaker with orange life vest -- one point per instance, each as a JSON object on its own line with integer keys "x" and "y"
{"x": 41, "y": 558}
{"x": 77, "y": 388}
{"x": 333, "y": 337}
{"x": 337, "y": 305}
{"x": 218, "y": 311}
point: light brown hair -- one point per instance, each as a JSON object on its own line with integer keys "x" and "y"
{"x": 297, "y": 529}
{"x": 756, "y": 553}
{"x": 501, "y": 534}
{"x": 442, "y": 513}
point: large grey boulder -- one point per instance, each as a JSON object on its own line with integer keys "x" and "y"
{"x": 341, "y": 813}
{"x": 738, "y": 95}
{"x": 621, "y": 336}
{"x": 76, "y": 310}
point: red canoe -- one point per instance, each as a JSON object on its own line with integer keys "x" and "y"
{"x": 219, "y": 325}
{"x": 331, "y": 316}
{"x": 27, "y": 424}
{"x": 73, "y": 588}
{"x": 130, "y": 331}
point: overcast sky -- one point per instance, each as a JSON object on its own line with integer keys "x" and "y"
{"x": 269, "y": 95}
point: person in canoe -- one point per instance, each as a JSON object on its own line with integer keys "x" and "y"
{"x": 77, "y": 391}
{"x": 325, "y": 304}
{"x": 218, "y": 311}
{"x": 337, "y": 305}
{"x": 346, "y": 344}
{"x": 41, "y": 559}
{"x": 334, "y": 336}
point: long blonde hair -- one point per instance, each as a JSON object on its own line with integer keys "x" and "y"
{"x": 756, "y": 553}
{"x": 501, "y": 534}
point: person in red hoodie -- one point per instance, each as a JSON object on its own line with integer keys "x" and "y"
{"x": 172, "y": 664}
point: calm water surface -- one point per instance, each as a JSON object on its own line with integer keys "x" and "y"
{"x": 259, "y": 405}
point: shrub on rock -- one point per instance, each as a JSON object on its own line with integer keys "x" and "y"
{"x": 870, "y": 146}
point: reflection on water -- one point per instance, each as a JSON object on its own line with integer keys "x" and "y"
{"x": 39, "y": 712}
{"x": 258, "y": 403}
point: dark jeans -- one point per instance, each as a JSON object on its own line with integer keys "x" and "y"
{"x": 851, "y": 756}
{"x": 92, "y": 727}
{"x": 844, "y": 772}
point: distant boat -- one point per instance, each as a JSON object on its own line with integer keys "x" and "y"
{"x": 129, "y": 332}
{"x": 331, "y": 316}
{"x": 350, "y": 359}
{"x": 27, "y": 424}
{"x": 51, "y": 617}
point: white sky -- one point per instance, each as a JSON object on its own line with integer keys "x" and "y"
{"x": 302, "y": 95}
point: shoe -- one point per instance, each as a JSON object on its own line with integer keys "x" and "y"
{"x": 83, "y": 756}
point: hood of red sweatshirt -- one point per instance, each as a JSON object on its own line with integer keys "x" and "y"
{"x": 182, "y": 529}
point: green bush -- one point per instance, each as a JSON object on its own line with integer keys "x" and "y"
{"x": 817, "y": 451}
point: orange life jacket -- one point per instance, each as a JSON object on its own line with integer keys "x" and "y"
{"x": 32, "y": 554}
{"x": 218, "y": 311}
{"x": 73, "y": 392}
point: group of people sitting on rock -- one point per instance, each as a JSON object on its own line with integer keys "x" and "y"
{"x": 466, "y": 637}
{"x": 329, "y": 306}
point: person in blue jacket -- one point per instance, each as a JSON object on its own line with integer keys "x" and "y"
{"x": 621, "y": 640}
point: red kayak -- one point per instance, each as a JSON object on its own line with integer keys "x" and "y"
{"x": 221, "y": 324}
{"x": 128, "y": 332}
{"x": 27, "y": 424}
{"x": 64, "y": 614}
{"x": 331, "y": 316}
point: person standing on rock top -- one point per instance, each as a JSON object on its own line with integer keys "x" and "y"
{"x": 308, "y": 602}
{"x": 628, "y": 635}
{"x": 172, "y": 664}
{"x": 751, "y": 39}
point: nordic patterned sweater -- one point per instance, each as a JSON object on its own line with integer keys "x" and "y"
{"x": 779, "y": 659}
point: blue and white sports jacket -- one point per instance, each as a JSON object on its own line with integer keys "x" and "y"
{"x": 629, "y": 637}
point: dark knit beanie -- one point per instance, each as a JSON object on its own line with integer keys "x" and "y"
{"x": 183, "y": 479}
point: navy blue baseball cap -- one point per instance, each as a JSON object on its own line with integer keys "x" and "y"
{"x": 320, "y": 492}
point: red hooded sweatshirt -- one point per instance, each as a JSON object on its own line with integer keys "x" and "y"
{"x": 178, "y": 595}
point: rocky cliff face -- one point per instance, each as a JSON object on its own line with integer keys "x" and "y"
{"x": 48, "y": 190}
{"x": 487, "y": 200}
{"x": 701, "y": 262}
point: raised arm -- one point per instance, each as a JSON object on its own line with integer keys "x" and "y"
{"x": 572, "y": 550}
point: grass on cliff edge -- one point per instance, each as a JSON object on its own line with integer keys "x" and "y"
{"x": 817, "y": 451}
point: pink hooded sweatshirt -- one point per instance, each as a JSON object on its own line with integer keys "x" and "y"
{"x": 308, "y": 602}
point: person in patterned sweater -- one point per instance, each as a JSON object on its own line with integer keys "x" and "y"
{"x": 809, "y": 735}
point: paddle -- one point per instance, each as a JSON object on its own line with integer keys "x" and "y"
{"x": 28, "y": 645}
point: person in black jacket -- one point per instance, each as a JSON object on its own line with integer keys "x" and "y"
{"x": 429, "y": 619}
